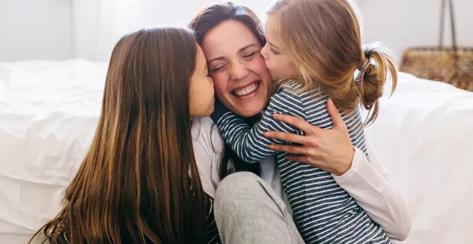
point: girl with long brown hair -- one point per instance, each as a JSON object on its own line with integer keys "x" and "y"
{"x": 314, "y": 52}
{"x": 139, "y": 182}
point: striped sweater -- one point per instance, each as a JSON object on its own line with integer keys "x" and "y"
{"x": 323, "y": 211}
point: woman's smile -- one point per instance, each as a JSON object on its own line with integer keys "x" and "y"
{"x": 246, "y": 90}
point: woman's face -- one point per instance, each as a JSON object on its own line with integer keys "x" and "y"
{"x": 241, "y": 80}
{"x": 201, "y": 90}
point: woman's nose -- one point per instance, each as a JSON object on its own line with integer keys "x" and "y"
{"x": 238, "y": 71}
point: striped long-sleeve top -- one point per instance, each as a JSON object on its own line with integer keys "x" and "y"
{"x": 323, "y": 211}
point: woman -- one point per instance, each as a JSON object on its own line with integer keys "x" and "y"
{"x": 231, "y": 38}
{"x": 139, "y": 182}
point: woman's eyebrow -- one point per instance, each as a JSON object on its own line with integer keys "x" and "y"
{"x": 239, "y": 52}
{"x": 246, "y": 47}
{"x": 215, "y": 59}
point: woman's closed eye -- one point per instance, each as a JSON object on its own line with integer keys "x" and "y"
{"x": 216, "y": 68}
{"x": 250, "y": 54}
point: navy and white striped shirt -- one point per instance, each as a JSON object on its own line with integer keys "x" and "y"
{"x": 323, "y": 211}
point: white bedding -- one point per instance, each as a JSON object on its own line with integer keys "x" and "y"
{"x": 424, "y": 136}
{"x": 48, "y": 114}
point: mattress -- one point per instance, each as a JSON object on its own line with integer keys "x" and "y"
{"x": 49, "y": 111}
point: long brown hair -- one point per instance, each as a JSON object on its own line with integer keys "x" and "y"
{"x": 139, "y": 181}
{"x": 204, "y": 22}
{"x": 324, "y": 40}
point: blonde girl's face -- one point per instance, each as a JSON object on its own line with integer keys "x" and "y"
{"x": 201, "y": 90}
{"x": 278, "y": 62}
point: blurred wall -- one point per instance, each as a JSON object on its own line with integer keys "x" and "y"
{"x": 99, "y": 24}
{"x": 35, "y": 29}
{"x": 61, "y": 29}
{"x": 404, "y": 23}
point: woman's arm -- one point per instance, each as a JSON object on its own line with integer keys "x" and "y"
{"x": 369, "y": 184}
{"x": 365, "y": 180}
{"x": 208, "y": 150}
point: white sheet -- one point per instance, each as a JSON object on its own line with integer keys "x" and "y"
{"x": 424, "y": 136}
{"x": 48, "y": 114}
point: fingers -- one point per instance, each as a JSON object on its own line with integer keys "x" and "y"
{"x": 298, "y": 123}
{"x": 336, "y": 116}
{"x": 287, "y": 137}
{"x": 288, "y": 148}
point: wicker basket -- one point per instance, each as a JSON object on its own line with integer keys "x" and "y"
{"x": 453, "y": 65}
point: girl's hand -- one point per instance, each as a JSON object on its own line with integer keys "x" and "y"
{"x": 327, "y": 149}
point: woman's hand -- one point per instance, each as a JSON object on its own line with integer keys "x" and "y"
{"x": 327, "y": 149}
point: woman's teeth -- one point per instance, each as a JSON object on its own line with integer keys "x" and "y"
{"x": 246, "y": 90}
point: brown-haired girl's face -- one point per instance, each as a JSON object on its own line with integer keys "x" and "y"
{"x": 201, "y": 91}
{"x": 242, "y": 82}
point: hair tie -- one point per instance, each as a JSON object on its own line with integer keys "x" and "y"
{"x": 368, "y": 51}
{"x": 360, "y": 71}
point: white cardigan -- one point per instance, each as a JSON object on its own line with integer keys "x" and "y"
{"x": 367, "y": 181}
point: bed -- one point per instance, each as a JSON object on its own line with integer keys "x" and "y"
{"x": 49, "y": 110}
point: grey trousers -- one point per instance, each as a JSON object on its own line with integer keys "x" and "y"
{"x": 247, "y": 211}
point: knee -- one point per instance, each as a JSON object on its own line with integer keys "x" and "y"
{"x": 235, "y": 187}
{"x": 237, "y": 184}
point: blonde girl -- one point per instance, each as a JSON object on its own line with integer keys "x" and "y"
{"x": 314, "y": 52}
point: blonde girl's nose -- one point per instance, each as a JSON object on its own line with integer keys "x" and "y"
{"x": 264, "y": 51}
